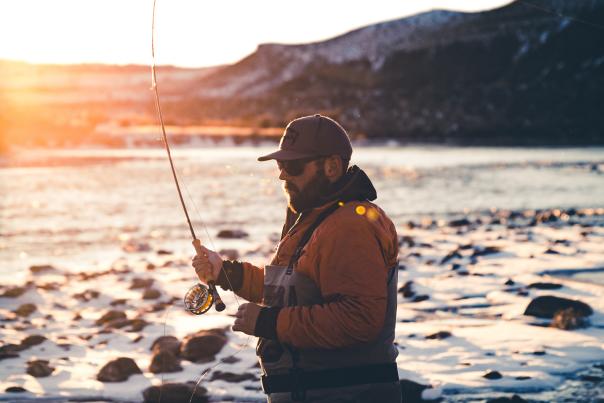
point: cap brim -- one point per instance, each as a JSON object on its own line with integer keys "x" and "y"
{"x": 284, "y": 155}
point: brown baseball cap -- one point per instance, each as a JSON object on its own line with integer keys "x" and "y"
{"x": 312, "y": 136}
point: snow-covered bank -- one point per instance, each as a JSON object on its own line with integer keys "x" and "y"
{"x": 465, "y": 285}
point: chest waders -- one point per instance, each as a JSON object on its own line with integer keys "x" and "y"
{"x": 296, "y": 371}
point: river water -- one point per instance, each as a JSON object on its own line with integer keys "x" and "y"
{"x": 75, "y": 207}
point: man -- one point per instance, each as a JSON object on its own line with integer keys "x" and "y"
{"x": 325, "y": 308}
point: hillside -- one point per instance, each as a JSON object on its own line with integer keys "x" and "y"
{"x": 526, "y": 73}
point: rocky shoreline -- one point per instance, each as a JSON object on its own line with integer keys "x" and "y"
{"x": 480, "y": 317}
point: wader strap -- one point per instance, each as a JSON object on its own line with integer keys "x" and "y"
{"x": 330, "y": 378}
{"x": 305, "y": 238}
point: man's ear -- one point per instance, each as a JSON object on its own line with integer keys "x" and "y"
{"x": 333, "y": 167}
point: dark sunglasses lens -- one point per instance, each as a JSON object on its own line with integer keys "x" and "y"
{"x": 293, "y": 167}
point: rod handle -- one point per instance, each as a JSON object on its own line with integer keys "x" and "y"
{"x": 220, "y": 306}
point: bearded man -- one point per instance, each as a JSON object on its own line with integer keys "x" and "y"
{"x": 324, "y": 309}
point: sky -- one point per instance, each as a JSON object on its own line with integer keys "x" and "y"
{"x": 188, "y": 33}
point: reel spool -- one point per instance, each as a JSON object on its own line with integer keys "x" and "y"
{"x": 199, "y": 299}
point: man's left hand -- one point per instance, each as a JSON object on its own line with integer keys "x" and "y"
{"x": 246, "y": 318}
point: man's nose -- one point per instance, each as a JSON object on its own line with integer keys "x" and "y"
{"x": 282, "y": 174}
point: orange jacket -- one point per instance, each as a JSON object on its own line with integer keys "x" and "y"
{"x": 348, "y": 257}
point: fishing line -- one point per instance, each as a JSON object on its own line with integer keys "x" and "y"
{"x": 557, "y": 13}
{"x": 175, "y": 176}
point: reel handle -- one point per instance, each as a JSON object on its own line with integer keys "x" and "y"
{"x": 220, "y": 306}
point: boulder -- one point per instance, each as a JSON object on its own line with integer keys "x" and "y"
{"x": 87, "y": 295}
{"x": 138, "y": 282}
{"x": 118, "y": 370}
{"x": 407, "y": 290}
{"x": 547, "y": 306}
{"x": 545, "y": 286}
{"x": 166, "y": 343}
{"x": 175, "y": 393}
{"x": 569, "y": 319}
{"x": 25, "y": 309}
{"x": 111, "y": 316}
{"x": 203, "y": 345}
{"x": 39, "y": 368}
{"x": 41, "y": 268}
{"x": 232, "y": 234}
{"x": 8, "y": 354}
{"x": 232, "y": 377}
{"x": 15, "y": 389}
{"x": 420, "y": 298}
{"x": 462, "y": 222}
{"x": 31, "y": 341}
{"x": 513, "y": 399}
{"x": 164, "y": 361}
{"x": 13, "y": 292}
{"x": 439, "y": 335}
{"x": 493, "y": 375}
{"x": 151, "y": 293}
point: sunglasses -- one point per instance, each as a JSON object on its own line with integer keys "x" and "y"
{"x": 295, "y": 167}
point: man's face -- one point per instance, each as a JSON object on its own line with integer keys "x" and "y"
{"x": 304, "y": 191}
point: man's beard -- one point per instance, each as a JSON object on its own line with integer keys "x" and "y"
{"x": 311, "y": 196}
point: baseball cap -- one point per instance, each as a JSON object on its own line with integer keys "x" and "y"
{"x": 311, "y": 136}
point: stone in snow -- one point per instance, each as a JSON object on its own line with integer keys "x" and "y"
{"x": 547, "y": 306}
{"x": 118, "y": 370}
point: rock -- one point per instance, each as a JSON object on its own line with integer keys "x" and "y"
{"x": 164, "y": 252}
{"x": 39, "y": 368}
{"x": 175, "y": 393}
{"x": 120, "y": 301}
{"x": 134, "y": 247}
{"x": 4, "y": 355}
{"x": 509, "y": 282}
{"x": 138, "y": 324}
{"x": 166, "y": 343}
{"x": 118, "y": 370}
{"x": 31, "y": 341}
{"x": 492, "y": 375}
{"x": 451, "y": 255}
{"x": 459, "y": 223}
{"x": 420, "y": 298}
{"x": 230, "y": 360}
{"x": 407, "y": 290}
{"x": 141, "y": 283}
{"x": 513, "y": 399}
{"x": 111, "y": 316}
{"x": 13, "y": 292}
{"x": 486, "y": 250}
{"x": 41, "y": 269}
{"x": 25, "y": 309}
{"x": 547, "y": 306}
{"x": 232, "y": 377}
{"x": 439, "y": 335}
{"x": 151, "y": 293}
{"x": 230, "y": 254}
{"x": 545, "y": 286}
{"x": 203, "y": 345}
{"x": 406, "y": 240}
{"x": 411, "y": 392}
{"x": 550, "y": 251}
{"x": 568, "y": 319}
{"x": 15, "y": 389}
{"x": 232, "y": 234}
{"x": 164, "y": 361}
{"x": 87, "y": 295}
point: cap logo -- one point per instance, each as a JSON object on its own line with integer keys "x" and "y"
{"x": 290, "y": 136}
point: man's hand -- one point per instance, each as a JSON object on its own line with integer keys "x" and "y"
{"x": 207, "y": 265}
{"x": 247, "y": 315}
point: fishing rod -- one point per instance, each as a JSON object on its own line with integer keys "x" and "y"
{"x": 199, "y": 298}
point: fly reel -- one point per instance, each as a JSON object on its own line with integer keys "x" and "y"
{"x": 200, "y": 298}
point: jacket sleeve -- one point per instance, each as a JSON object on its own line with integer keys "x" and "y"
{"x": 245, "y": 279}
{"x": 350, "y": 266}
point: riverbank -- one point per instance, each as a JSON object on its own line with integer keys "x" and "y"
{"x": 465, "y": 285}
